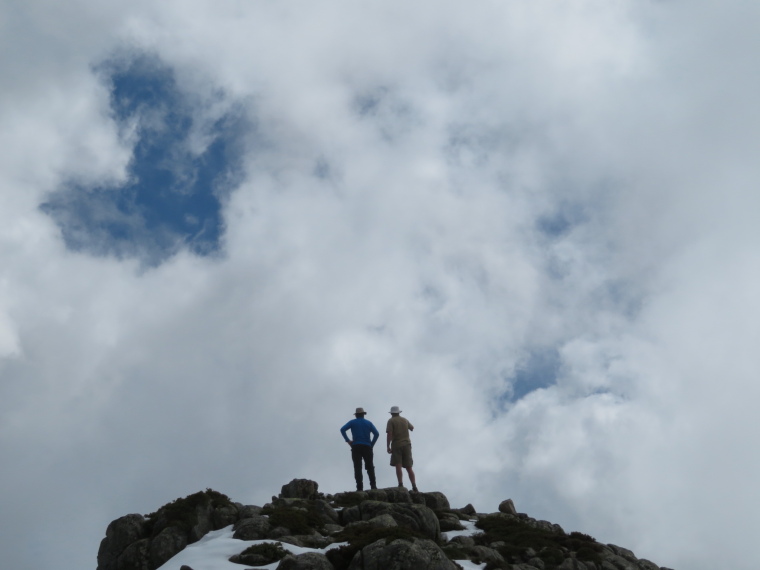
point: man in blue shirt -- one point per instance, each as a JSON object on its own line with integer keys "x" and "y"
{"x": 361, "y": 447}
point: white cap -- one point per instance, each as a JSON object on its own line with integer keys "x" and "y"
{"x": 394, "y": 410}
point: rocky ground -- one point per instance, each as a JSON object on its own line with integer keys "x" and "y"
{"x": 383, "y": 529}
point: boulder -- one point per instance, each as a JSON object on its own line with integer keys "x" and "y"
{"x": 168, "y": 543}
{"x": 308, "y": 561}
{"x": 507, "y": 506}
{"x": 135, "y": 556}
{"x": 486, "y": 554}
{"x": 465, "y": 541}
{"x": 119, "y": 535}
{"x": 572, "y": 564}
{"x": 224, "y": 516}
{"x": 260, "y": 554}
{"x": 468, "y": 510}
{"x": 253, "y": 528}
{"x": 248, "y": 511}
{"x": 396, "y": 495}
{"x": 449, "y": 521}
{"x": 300, "y": 489}
{"x": 307, "y": 540}
{"x": 435, "y": 500}
{"x": 400, "y": 554}
{"x": 413, "y": 516}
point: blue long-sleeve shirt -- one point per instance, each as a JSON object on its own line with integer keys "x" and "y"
{"x": 360, "y": 432}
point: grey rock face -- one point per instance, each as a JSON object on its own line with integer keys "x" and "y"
{"x": 204, "y": 522}
{"x": 168, "y": 543}
{"x": 308, "y": 561}
{"x": 416, "y": 554}
{"x": 413, "y": 516}
{"x": 135, "y": 556}
{"x": 300, "y": 489}
{"x": 134, "y": 543}
{"x": 119, "y": 535}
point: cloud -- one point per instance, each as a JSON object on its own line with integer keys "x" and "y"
{"x": 529, "y": 225}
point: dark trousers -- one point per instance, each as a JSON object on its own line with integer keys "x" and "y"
{"x": 359, "y": 453}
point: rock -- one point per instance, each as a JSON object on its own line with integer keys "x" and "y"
{"x": 278, "y": 532}
{"x": 224, "y": 516}
{"x": 168, "y": 543}
{"x": 119, "y": 535}
{"x": 326, "y": 512}
{"x": 260, "y": 554}
{"x": 300, "y": 489}
{"x": 647, "y": 564}
{"x": 308, "y": 561}
{"x": 623, "y": 552}
{"x": 611, "y": 560}
{"x": 485, "y": 554}
{"x": 572, "y": 564}
{"x": 382, "y": 521}
{"x": 253, "y": 528}
{"x": 248, "y": 511}
{"x": 615, "y": 562}
{"x": 537, "y": 563}
{"x": 400, "y": 554}
{"x": 351, "y": 498}
{"x": 508, "y": 506}
{"x": 449, "y": 521}
{"x": 468, "y": 510}
{"x": 413, "y": 516}
{"x": 332, "y": 528}
{"x": 135, "y": 556}
{"x": 436, "y": 501}
{"x": 185, "y": 567}
{"x": 308, "y": 540}
{"x": 466, "y": 541}
{"x": 397, "y": 495}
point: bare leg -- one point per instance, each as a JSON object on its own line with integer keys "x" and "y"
{"x": 410, "y": 471}
{"x": 399, "y": 475}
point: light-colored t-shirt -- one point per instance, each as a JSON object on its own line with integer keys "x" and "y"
{"x": 399, "y": 428}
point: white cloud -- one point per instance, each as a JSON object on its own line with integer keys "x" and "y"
{"x": 385, "y": 249}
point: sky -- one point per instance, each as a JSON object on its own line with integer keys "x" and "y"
{"x": 532, "y": 225}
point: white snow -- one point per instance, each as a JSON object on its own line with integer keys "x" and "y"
{"x": 212, "y": 552}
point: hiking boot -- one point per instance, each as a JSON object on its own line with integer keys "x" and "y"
{"x": 415, "y": 490}
{"x": 374, "y": 487}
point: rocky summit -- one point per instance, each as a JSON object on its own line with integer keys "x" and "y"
{"x": 382, "y": 529}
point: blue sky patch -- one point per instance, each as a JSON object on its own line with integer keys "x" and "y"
{"x": 186, "y": 159}
{"x": 538, "y": 370}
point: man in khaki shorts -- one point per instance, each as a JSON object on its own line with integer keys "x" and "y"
{"x": 400, "y": 446}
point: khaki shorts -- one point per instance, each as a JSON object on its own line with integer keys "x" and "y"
{"x": 402, "y": 455}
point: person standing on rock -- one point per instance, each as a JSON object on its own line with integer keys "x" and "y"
{"x": 361, "y": 447}
{"x": 400, "y": 446}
